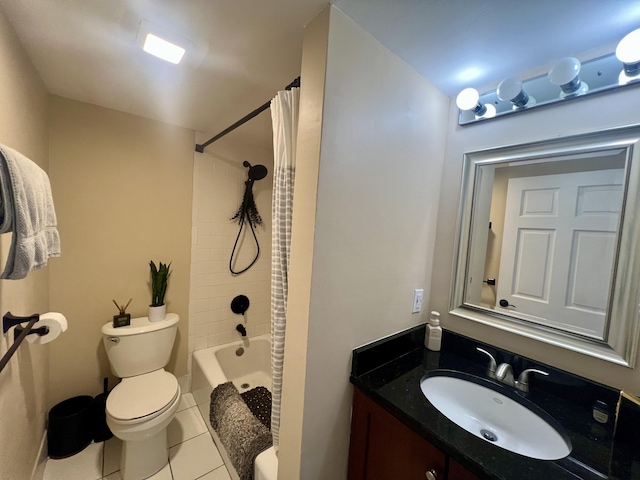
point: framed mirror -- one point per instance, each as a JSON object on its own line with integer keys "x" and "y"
{"x": 548, "y": 242}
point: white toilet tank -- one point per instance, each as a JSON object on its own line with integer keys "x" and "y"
{"x": 141, "y": 347}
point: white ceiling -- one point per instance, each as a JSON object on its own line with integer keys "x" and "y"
{"x": 477, "y": 43}
{"x": 246, "y": 50}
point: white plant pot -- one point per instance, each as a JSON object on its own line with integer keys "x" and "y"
{"x": 157, "y": 314}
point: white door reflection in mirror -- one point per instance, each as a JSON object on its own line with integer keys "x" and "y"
{"x": 552, "y": 228}
{"x": 558, "y": 248}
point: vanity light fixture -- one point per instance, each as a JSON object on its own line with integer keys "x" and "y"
{"x": 163, "y": 49}
{"x": 566, "y": 74}
{"x": 628, "y": 52}
{"x": 468, "y": 99}
{"x": 567, "y": 79}
{"x": 510, "y": 90}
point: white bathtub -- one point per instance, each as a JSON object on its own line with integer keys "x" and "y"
{"x": 216, "y": 365}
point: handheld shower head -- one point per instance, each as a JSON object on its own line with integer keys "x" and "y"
{"x": 256, "y": 172}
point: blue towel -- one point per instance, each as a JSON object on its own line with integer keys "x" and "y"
{"x": 26, "y": 209}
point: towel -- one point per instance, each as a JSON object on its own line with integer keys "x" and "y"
{"x": 26, "y": 209}
{"x": 241, "y": 434}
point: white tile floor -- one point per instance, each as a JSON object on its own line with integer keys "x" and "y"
{"x": 192, "y": 454}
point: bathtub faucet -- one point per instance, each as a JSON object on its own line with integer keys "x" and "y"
{"x": 240, "y": 328}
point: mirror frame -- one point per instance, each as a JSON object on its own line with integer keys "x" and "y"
{"x": 620, "y": 345}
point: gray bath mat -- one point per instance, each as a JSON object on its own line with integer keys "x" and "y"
{"x": 258, "y": 400}
{"x": 241, "y": 433}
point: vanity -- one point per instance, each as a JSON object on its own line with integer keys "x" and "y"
{"x": 547, "y": 248}
{"x": 396, "y": 433}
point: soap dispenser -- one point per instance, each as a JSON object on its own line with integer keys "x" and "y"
{"x": 433, "y": 335}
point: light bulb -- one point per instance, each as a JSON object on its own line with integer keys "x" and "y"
{"x": 566, "y": 74}
{"x": 489, "y": 113}
{"x": 624, "y": 79}
{"x": 468, "y": 99}
{"x": 510, "y": 90}
{"x": 628, "y": 52}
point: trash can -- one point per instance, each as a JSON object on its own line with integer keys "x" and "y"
{"x": 101, "y": 430}
{"x": 70, "y": 426}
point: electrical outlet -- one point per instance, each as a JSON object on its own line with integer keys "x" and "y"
{"x": 417, "y": 300}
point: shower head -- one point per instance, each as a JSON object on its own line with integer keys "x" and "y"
{"x": 256, "y": 172}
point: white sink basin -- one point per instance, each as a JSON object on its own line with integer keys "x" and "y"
{"x": 497, "y": 419}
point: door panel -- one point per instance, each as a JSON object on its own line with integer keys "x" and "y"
{"x": 560, "y": 234}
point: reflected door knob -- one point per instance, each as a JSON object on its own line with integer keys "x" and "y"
{"x": 431, "y": 475}
{"x": 504, "y": 303}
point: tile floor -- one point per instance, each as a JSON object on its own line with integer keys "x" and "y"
{"x": 192, "y": 454}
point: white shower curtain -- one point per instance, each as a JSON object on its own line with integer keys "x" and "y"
{"x": 284, "y": 116}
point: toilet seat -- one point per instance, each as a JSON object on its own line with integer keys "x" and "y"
{"x": 140, "y": 398}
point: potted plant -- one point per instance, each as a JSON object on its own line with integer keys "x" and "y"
{"x": 159, "y": 278}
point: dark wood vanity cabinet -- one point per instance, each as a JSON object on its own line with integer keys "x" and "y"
{"x": 458, "y": 472}
{"x": 383, "y": 448}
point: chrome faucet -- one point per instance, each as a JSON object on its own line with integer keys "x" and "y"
{"x": 491, "y": 369}
{"x": 504, "y": 373}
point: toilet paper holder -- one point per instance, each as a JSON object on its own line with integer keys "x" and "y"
{"x": 9, "y": 320}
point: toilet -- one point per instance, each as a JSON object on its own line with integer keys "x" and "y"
{"x": 141, "y": 406}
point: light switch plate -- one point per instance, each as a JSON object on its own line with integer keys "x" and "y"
{"x": 418, "y": 293}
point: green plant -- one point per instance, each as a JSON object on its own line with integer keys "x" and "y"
{"x": 159, "y": 277}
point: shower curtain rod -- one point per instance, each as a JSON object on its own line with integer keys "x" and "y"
{"x": 200, "y": 147}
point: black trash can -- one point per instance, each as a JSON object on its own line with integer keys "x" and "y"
{"x": 101, "y": 430}
{"x": 70, "y": 426}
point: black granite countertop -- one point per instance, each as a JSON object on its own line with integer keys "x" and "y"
{"x": 391, "y": 377}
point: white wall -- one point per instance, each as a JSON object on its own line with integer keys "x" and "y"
{"x": 218, "y": 188}
{"x": 583, "y": 115}
{"x": 365, "y": 240}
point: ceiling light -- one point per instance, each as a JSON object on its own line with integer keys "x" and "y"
{"x": 163, "y": 49}
{"x": 566, "y": 74}
{"x": 510, "y": 90}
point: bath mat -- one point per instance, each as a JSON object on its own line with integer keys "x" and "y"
{"x": 241, "y": 433}
{"x": 258, "y": 400}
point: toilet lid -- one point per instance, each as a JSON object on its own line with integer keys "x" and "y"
{"x": 142, "y": 395}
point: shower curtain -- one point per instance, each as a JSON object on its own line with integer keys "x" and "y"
{"x": 284, "y": 116}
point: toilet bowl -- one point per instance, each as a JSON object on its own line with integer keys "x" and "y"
{"x": 139, "y": 409}
{"x": 138, "y": 412}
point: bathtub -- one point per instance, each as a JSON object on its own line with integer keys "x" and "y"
{"x": 246, "y": 363}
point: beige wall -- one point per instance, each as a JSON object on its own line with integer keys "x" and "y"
{"x": 24, "y": 381}
{"x": 583, "y": 115}
{"x": 218, "y": 189}
{"x": 314, "y": 58}
{"x": 370, "y": 151}
{"x": 123, "y": 187}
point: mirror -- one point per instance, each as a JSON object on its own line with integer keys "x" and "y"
{"x": 548, "y": 242}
